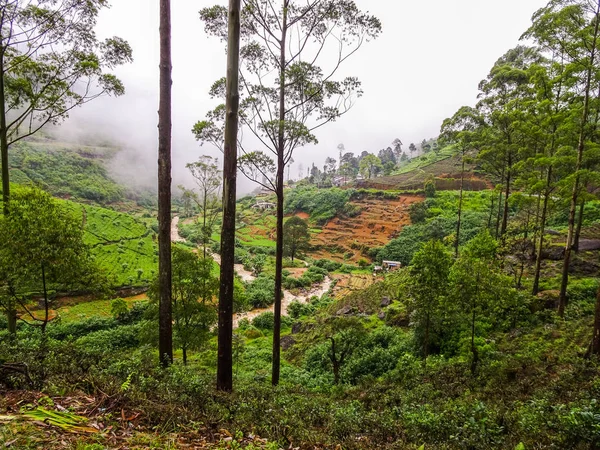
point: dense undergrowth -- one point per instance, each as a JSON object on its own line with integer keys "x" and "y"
{"x": 533, "y": 385}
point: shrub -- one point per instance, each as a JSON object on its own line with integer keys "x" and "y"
{"x": 252, "y": 332}
{"x": 418, "y": 212}
{"x": 260, "y": 292}
{"x": 297, "y": 309}
{"x": 118, "y": 307}
{"x": 264, "y": 321}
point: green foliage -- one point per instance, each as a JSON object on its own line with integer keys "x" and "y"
{"x": 313, "y": 275}
{"x": 260, "y": 292}
{"x": 118, "y": 308}
{"x": 194, "y": 287}
{"x": 264, "y": 321}
{"x": 428, "y": 287}
{"x": 65, "y": 171}
{"x": 296, "y": 236}
{"x": 297, "y": 309}
{"x": 430, "y": 189}
{"x": 418, "y": 212}
{"x": 439, "y": 223}
{"x": 41, "y": 241}
{"x": 321, "y": 204}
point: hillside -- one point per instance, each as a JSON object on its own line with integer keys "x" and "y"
{"x": 72, "y": 170}
{"x": 376, "y": 222}
{"x": 444, "y": 167}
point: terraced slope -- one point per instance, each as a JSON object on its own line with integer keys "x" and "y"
{"x": 348, "y": 238}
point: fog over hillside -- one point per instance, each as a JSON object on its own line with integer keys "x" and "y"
{"x": 425, "y": 65}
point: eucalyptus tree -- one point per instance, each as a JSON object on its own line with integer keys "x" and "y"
{"x": 412, "y": 148}
{"x": 50, "y": 63}
{"x": 476, "y": 283}
{"x": 290, "y": 53}
{"x": 462, "y": 130}
{"x": 227, "y": 288}
{"x": 542, "y": 170}
{"x": 572, "y": 28}
{"x": 165, "y": 322}
{"x": 502, "y": 97}
{"x": 430, "y": 268}
{"x": 208, "y": 178}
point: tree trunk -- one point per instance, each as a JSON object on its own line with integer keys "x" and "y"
{"x": 46, "y": 303}
{"x": 499, "y": 214}
{"x": 506, "y": 195}
{"x": 165, "y": 341}
{"x": 4, "y": 139}
{"x": 279, "y": 192}
{"x": 595, "y": 349}
{"x": 489, "y": 224}
{"x": 562, "y": 300}
{"x": 426, "y": 341}
{"x": 538, "y": 259}
{"x": 579, "y": 225}
{"x": 11, "y": 317}
{"x": 460, "y": 198}
{"x": 474, "y": 351}
{"x": 184, "y": 355}
{"x": 11, "y": 314}
{"x": 336, "y": 373}
{"x": 204, "y": 237}
{"x": 225, "y": 346}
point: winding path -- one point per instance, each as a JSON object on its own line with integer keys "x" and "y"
{"x": 246, "y": 275}
{"x": 175, "y": 236}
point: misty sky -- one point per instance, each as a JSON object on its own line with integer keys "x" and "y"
{"x": 425, "y": 65}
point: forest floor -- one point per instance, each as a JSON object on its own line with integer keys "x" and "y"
{"x": 105, "y": 422}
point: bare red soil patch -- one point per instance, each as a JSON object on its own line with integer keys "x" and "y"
{"x": 297, "y": 272}
{"x": 348, "y": 238}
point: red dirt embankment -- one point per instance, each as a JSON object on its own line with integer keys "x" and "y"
{"x": 379, "y": 221}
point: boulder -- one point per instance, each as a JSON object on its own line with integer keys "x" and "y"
{"x": 385, "y": 301}
{"x": 580, "y": 267}
{"x": 296, "y": 327}
{"x": 549, "y": 299}
{"x": 287, "y": 341}
{"x": 587, "y": 245}
{"x": 381, "y": 315}
{"x": 554, "y": 252}
{"x": 345, "y": 311}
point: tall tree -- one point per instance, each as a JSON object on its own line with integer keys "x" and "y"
{"x": 572, "y": 28}
{"x": 370, "y": 165}
{"x": 295, "y": 236}
{"x": 165, "y": 322}
{"x": 430, "y": 268}
{"x": 502, "y": 97}
{"x": 462, "y": 130}
{"x": 230, "y": 151}
{"x": 412, "y": 148}
{"x": 208, "y": 177}
{"x": 397, "y": 147}
{"x": 279, "y": 36}
{"x": 50, "y": 63}
{"x": 475, "y": 282}
{"x": 542, "y": 169}
{"x": 192, "y": 281}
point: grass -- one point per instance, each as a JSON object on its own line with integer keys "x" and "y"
{"x": 424, "y": 160}
{"x": 76, "y": 311}
{"x": 122, "y": 244}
